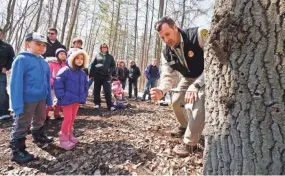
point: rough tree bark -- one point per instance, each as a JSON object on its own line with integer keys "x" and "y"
{"x": 245, "y": 83}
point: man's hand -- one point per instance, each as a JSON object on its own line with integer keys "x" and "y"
{"x": 192, "y": 94}
{"x": 4, "y": 70}
{"x": 156, "y": 94}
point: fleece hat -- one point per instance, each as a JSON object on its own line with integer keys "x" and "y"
{"x": 60, "y": 50}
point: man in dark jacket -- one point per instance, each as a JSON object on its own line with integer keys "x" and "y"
{"x": 152, "y": 75}
{"x": 54, "y": 44}
{"x": 101, "y": 70}
{"x": 134, "y": 74}
{"x": 6, "y": 58}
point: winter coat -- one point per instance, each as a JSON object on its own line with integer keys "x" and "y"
{"x": 55, "y": 66}
{"x": 30, "y": 81}
{"x": 71, "y": 84}
{"x": 122, "y": 73}
{"x": 52, "y": 47}
{"x": 102, "y": 66}
{"x": 148, "y": 71}
{"x": 6, "y": 55}
{"x": 134, "y": 72}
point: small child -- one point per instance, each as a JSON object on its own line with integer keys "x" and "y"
{"x": 76, "y": 45}
{"x": 119, "y": 94}
{"x": 55, "y": 66}
{"x": 71, "y": 90}
{"x": 30, "y": 93}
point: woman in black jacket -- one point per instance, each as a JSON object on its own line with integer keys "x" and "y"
{"x": 101, "y": 70}
{"x": 134, "y": 74}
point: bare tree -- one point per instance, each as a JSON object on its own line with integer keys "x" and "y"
{"x": 245, "y": 84}
{"x": 114, "y": 48}
{"x": 67, "y": 7}
{"x": 71, "y": 25}
{"x": 50, "y": 12}
{"x": 136, "y": 28}
{"x": 39, "y": 16}
{"x": 158, "y": 42}
{"x": 57, "y": 13}
{"x": 183, "y": 13}
{"x": 10, "y": 16}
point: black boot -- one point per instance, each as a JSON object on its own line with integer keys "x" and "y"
{"x": 19, "y": 153}
{"x": 40, "y": 138}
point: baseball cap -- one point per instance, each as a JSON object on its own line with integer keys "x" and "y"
{"x": 35, "y": 36}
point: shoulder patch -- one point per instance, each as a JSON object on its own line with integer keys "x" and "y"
{"x": 204, "y": 33}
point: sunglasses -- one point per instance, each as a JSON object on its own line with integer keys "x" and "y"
{"x": 49, "y": 33}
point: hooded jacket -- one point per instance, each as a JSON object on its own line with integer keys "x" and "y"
{"x": 30, "y": 81}
{"x": 71, "y": 84}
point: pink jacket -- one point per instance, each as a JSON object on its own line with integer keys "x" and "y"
{"x": 117, "y": 88}
{"x": 54, "y": 68}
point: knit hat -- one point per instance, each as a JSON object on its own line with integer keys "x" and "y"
{"x": 60, "y": 50}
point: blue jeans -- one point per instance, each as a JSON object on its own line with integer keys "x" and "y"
{"x": 4, "y": 100}
{"x": 150, "y": 83}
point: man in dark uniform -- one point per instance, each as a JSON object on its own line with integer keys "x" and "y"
{"x": 183, "y": 53}
{"x": 6, "y": 58}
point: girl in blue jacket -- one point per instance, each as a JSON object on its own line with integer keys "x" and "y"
{"x": 71, "y": 89}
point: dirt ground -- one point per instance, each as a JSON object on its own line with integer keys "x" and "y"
{"x": 132, "y": 141}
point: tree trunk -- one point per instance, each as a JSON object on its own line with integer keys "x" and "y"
{"x": 10, "y": 16}
{"x": 39, "y": 16}
{"x": 114, "y": 47}
{"x": 136, "y": 29}
{"x": 245, "y": 88}
{"x": 111, "y": 28}
{"x": 158, "y": 41}
{"x": 57, "y": 13}
{"x": 51, "y": 5}
{"x": 72, "y": 22}
{"x": 67, "y": 7}
{"x": 183, "y": 13}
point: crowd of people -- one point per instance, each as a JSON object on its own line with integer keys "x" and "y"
{"x": 48, "y": 76}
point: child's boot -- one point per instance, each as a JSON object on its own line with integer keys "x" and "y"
{"x": 40, "y": 138}
{"x": 19, "y": 153}
{"x": 64, "y": 141}
{"x": 72, "y": 138}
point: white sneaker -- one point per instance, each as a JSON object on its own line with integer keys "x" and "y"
{"x": 5, "y": 117}
{"x": 112, "y": 108}
{"x": 97, "y": 106}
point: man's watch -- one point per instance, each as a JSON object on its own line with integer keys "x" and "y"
{"x": 197, "y": 85}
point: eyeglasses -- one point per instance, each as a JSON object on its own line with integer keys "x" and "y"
{"x": 49, "y": 33}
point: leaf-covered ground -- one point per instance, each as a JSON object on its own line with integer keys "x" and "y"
{"x": 132, "y": 141}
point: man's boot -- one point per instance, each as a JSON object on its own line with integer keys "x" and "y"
{"x": 19, "y": 153}
{"x": 178, "y": 132}
{"x": 40, "y": 138}
{"x": 183, "y": 150}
